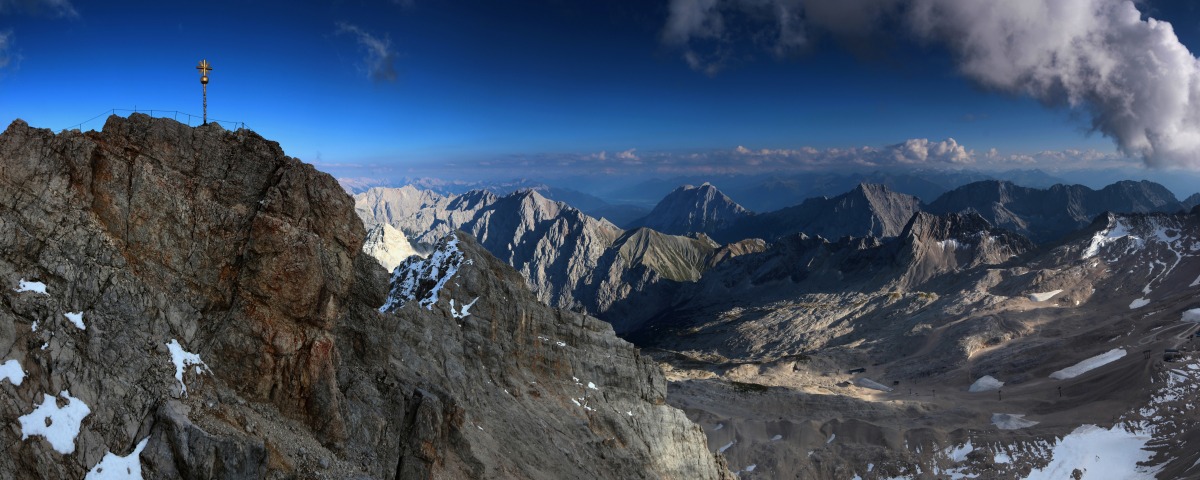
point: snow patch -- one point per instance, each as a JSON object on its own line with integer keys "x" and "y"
{"x": 59, "y": 426}
{"x": 868, "y": 383}
{"x": 1116, "y": 231}
{"x": 11, "y": 370}
{"x": 1192, "y": 315}
{"x": 952, "y": 244}
{"x": 115, "y": 467}
{"x": 1011, "y": 421}
{"x": 35, "y": 287}
{"x": 183, "y": 359}
{"x": 1041, "y": 297}
{"x": 77, "y": 319}
{"x": 751, "y": 467}
{"x": 409, "y": 277}
{"x": 1139, "y": 303}
{"x": 958, "y": 454}
{"x": 777, "y": 438}
{"x": 1104, "y": 454}
{"x": 726, "y": 447}
{"x": 984, "y": 384}
{"x": 465, "y": 311}
{"x": 1089, "y": 364}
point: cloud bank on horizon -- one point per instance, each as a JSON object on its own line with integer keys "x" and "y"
{"x": 921, "y": 153}
{"x": 1131, "y": 75}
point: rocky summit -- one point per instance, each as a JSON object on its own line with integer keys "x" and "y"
{"x": 192, "y": 303}
{"x": 692, "y": 209}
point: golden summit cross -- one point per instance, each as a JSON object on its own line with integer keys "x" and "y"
{"x": 204, "y": 68}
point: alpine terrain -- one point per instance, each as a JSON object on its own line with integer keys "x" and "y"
{"x": 189, "y": 302}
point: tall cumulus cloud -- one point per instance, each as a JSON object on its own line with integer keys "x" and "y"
{"x": 1131, "y": 75}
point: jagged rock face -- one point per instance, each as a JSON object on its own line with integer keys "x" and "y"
{"x": 868, "y": 210}
{"x": 499, "y": 354}
{"x": 691, "y": 209}
{"x": 423, "y": 215}
{"x": 387, "y": 245}
{"x": 161, "y": 241}
{"x": 569, "y": 259}
{"x": 1045, "y": 215}
{"x": 933, "y": 245}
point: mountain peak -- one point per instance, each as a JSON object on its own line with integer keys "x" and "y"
{"x": 691, "y": 209}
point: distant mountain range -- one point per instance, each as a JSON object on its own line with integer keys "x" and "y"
{"x": 1192, "y": 201}
{"x": 867, "y": 210}
{"x": 1049, "y": 214}
{"x": 575, "y": 261}
{"x": 569, "y": 259}
{"x": 764, "y": 193}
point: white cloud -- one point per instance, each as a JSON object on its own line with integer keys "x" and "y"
{"x": 921, "y": 150}
{"x": 1138, "y": 84}
{"x": 628, "y": 155}
{"x": 380, "y": 59}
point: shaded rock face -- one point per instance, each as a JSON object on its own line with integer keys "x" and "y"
{"x": 803, "y": 293}
{"x": 868, "y": 210}
{"x": 691, "y": 209}
{"x": 1049, "y": 214}
{"x": 505, "y": 356}
{"x": 157, "y": 233}
{"x": 1191, "y": 202}
{"x": 933, "y": 245}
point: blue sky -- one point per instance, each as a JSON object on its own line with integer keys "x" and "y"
{"x": 487, "y": 88}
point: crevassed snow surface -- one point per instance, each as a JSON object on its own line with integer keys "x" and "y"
{"x": 11, "y": 370}
{"x": 984, "y": 384}
{"x": 1041, "y": 297}
{"x": 115, "y": 467}
{"x": 1192, "y": 315}
{"x": 77, "y": 319}
{"x": 438, "y": 267}
{"x": 183, "y": 359}
{"x": 1139, "y": 303}
{"x": 1101, "y": 454}
{"x": 1089, "y": 364}
{"x": 35, "y": 287}
{"x": 465, "y": 311}
{"x": 59, "y": 426}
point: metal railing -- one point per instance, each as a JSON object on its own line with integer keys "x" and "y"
{"x": 182, "y": 117}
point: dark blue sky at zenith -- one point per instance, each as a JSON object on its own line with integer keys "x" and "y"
{"x": 500, "y": 89}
